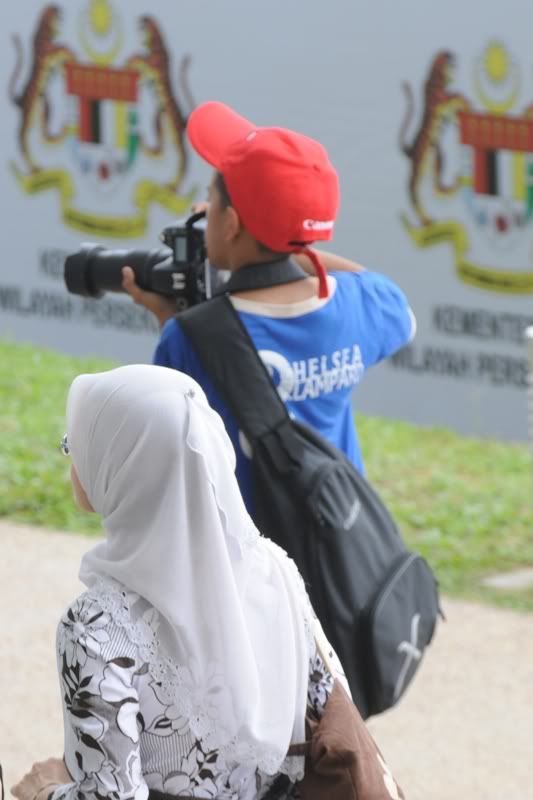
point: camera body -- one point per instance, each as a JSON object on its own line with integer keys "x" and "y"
{"x": 177, "y": 270}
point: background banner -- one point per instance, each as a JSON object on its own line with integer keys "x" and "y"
{"x": 425, "y": 108}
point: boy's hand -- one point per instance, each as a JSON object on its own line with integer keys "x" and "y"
{"x": 162, "y": 307}
{"x": 203, "y": 205}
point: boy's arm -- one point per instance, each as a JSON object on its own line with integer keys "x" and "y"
{"x": 385, "y": 316}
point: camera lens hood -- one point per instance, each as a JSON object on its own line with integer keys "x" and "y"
{"x": 77, "y": 274}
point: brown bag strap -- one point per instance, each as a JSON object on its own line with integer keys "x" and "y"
{"x": 299, "y": 749}
{"x": 302, "y": 748}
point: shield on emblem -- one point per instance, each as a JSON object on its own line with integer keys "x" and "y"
{"x": 498, "y": 175}
{"x": 104, "y": 122}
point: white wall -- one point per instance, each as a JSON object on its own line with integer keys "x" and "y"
{"x": 334, "y": 71}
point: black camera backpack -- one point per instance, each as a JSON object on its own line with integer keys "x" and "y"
{"x": 377, "y": 601}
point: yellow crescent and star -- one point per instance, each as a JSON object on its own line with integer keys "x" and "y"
{"x": 497, "y": 73}
{"x": 100, "y": 35}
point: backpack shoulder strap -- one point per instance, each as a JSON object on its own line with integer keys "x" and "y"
{"x": 229, "y": 357}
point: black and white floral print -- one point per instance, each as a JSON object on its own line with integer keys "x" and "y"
{"x": 82, "y": 632}
{"x": 123, "y": 733}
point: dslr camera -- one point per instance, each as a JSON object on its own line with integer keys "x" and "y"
{"x": 178, "y": 270}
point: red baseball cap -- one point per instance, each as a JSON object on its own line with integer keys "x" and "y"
{"x": 281, "y": 183}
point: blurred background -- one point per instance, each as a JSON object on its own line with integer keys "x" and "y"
{"x": 427, "y": 117}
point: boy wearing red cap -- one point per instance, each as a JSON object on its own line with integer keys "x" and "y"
{"x": 273, "y": 193}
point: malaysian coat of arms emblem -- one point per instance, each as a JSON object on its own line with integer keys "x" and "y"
{"x": 105, "y": 124}
{"x": 485, "y": 209}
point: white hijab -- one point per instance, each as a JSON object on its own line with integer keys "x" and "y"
{"x": 231, "y": 638}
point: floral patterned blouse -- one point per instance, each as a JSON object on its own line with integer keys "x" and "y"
{"x": 123, "y": 736}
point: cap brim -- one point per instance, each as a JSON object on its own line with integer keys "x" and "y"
{"x": 213, "y": 127}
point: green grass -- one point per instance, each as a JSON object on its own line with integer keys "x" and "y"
{"x": 34, "y": 483}
{"x": 465, "y": 504}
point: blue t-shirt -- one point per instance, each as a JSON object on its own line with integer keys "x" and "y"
{"x": 316, "y": 352}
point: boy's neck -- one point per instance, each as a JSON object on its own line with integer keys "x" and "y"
{"x": 285, "y": 294}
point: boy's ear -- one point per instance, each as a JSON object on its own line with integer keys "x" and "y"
{"x": 233, "y": 224}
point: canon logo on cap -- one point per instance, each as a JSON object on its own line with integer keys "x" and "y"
{"x": 318, "y": 224}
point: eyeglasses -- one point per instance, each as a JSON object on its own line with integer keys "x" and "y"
{"x": 63, "y": 446}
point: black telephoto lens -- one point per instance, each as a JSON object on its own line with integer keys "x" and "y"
{"x": 94, "y": 270}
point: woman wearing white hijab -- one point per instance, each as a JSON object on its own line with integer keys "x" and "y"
{"x": 188, "y": 664}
